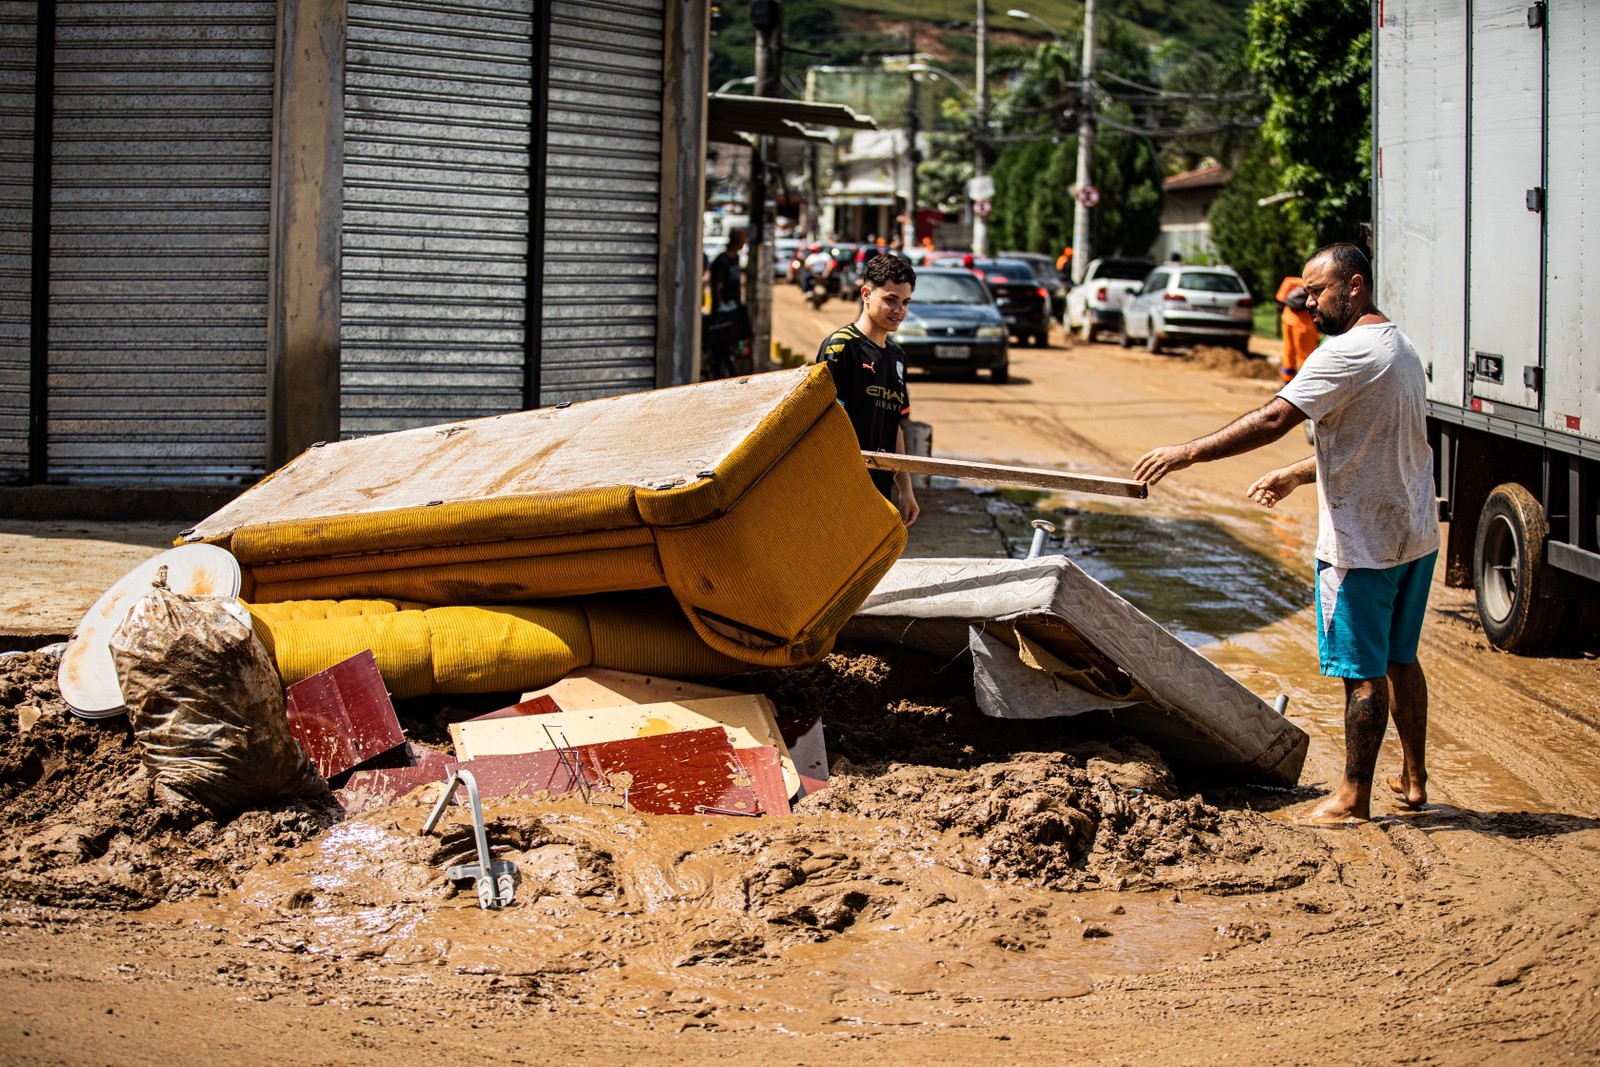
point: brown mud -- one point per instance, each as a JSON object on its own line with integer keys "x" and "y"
{"x": 83, "y": 825}
{"x": 1230, "y": 361}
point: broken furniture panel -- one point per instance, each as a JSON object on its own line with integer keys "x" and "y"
{"x": 1086, "y": 650}
{"x": 808, "y": 748}
{"x": 764, "y": 767}
{"x": 748, "y": 720}
{"x": 395, "y": 774}
{"x": 596, "y": 687}
{"x": 342, "y": 717}
{"x": 668, "y": 774}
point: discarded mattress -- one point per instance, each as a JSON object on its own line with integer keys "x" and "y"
{"x": 747, "y": 498}
{"x": 1048, "y": 640}
{"x": 492, "y": 648}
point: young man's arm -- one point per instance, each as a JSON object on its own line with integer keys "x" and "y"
{"x": 909, "y": 509}
{"x": 1260, "y": 427}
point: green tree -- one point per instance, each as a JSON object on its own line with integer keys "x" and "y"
{"x": 1313, "y": 61}
{"x": 1264, "y": 244}
{"x": 1037, "y": 162}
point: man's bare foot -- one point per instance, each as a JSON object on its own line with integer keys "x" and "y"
{"x": 1411, "y": 794}
{"x": 1334, "y": 812}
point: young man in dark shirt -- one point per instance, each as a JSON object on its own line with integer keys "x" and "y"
{"x": 869, "y": 372}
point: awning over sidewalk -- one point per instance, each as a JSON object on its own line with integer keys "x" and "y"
{"x": 730, "y": 118}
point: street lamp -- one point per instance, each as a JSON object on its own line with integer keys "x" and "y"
{"x": 939, "y": 72}
{"x": 1080, "y": 212}
{"x": 980, "y": 229}
{"x": 1018, "y": 13}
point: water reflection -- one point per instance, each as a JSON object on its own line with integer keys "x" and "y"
{"x": 1192, "y": 576}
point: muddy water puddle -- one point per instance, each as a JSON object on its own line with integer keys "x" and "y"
{"x": 1193, "y": 576}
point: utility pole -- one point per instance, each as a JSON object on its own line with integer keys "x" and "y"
{"x": 1080, "y": 213}
{"x": 766, "y": 16}
{"x": 908, "y": 229}
{"x": 980, "y": 169}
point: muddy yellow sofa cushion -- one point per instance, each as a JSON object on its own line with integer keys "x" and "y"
{"x": 746, "y": 498}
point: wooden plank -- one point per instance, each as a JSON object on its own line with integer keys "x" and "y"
{"x": 597, "y": 687}
{"x": 1035, "y": 477}
{"x": 749, "y": 720}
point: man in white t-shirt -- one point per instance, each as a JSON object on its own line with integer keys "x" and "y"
{"x": 1365, "y": 388}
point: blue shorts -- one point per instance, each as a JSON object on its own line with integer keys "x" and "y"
{"x": 1369, "y": 618}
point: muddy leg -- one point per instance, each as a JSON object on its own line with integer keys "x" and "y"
{"x": 1409, "y": 688}
{"x": 1366, "y": 716}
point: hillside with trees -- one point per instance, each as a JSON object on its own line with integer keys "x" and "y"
{"x": 1275, "y": 90}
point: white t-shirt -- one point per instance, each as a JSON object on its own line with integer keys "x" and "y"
{"x": 1366, "y": 390}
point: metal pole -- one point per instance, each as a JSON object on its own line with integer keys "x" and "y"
{"x": 1080, "y": 214}
{"x": 908, "y": 228}
{"x": 758, "y": 260}
{"x": 980, "y": 226}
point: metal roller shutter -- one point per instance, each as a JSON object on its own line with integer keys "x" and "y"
{"x": 602, "y": 191}
{"x": 158, "y": 270}
{"x": 17, "y": 36}
{"x": 438, "y": 121}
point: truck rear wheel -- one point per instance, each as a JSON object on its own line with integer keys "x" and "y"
{"x": 1506, "y": 559}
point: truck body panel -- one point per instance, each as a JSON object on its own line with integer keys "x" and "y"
{"x": 1572, "y": 280}
{"x": 1421, "y": 189}
{"x": 1486, "y": 151}
{"x": 1504, "y": 236}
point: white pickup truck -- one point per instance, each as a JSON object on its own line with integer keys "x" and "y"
{"x": 1095, "y": 303}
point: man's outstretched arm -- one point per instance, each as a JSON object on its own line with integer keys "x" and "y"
{"x": 1260, "y": 427}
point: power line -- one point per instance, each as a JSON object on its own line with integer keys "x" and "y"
{"x": 1170, "y": 132}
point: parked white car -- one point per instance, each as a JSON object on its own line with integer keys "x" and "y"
{"x": 1095, "y": 303}
{"x": 1179, "y": 303}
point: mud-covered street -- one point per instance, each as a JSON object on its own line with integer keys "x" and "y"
{"x": 966, "y": 889}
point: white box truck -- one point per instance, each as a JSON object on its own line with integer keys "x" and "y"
{"x": 1486, "y": 181}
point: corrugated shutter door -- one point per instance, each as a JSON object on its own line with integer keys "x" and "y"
{"x": 602, "y": 198}
{"x": 163, "y": 116}
{"x": 438, "y": 114}
{"x": 17, "y": 25}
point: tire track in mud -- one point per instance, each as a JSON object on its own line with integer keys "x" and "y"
{"x": 1480, "y": 703}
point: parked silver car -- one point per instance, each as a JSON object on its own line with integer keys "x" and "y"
{"x": 1181, "y": 304}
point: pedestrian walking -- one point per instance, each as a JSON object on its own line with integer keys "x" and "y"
{"x": 869, "y": 372}
{"x": 725, "y": 334}
{"x": 1378, "y": 531}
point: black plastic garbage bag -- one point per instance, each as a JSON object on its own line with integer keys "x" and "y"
{"x": 206, "y": 704}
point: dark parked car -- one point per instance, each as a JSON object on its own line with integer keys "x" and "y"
{"x": 1022, "y": 297}
{"x": 954, "y": 324}
{"x": 1044, "y": 268}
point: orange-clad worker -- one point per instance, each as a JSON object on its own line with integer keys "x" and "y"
{"x": 1064, "y": 260}
{"x": 1300, "y": 337}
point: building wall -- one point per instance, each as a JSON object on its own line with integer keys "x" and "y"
{"x": 278, "y": 221}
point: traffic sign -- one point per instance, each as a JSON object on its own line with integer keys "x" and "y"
{"x": 1088, "y": 196}
{"x": 980, "y": 208}
{"x": 981, "y": 187}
